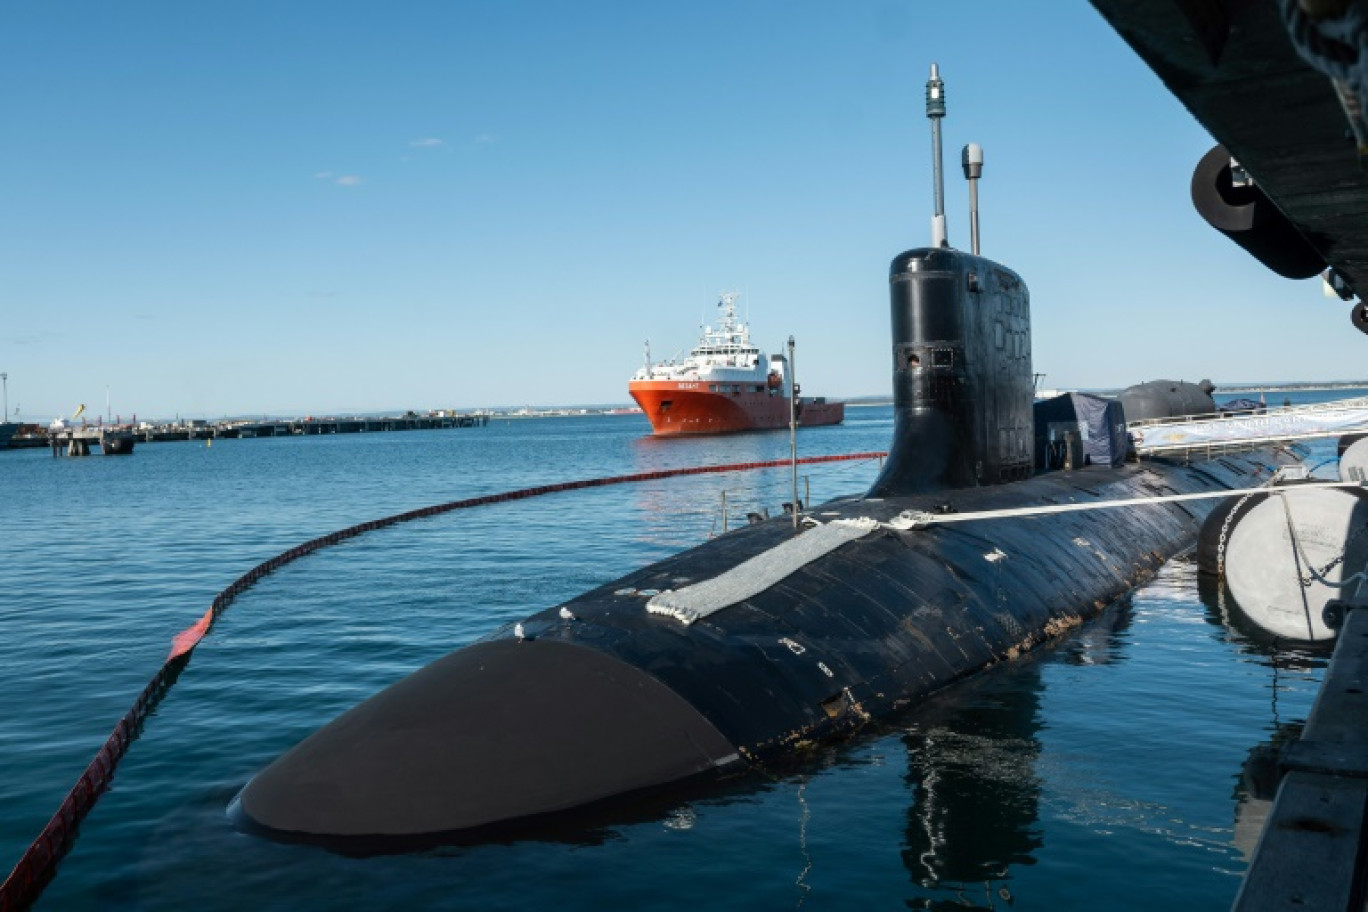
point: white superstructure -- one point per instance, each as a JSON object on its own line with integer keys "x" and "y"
{"x": 724, "y": 354}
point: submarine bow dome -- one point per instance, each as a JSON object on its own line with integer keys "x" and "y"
{"x": 501, "y": 730}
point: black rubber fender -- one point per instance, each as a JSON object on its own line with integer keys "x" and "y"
{"x": 1249, "y": 218}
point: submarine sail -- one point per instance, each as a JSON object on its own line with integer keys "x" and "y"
{"x": 768, "y": 639}
{"x": 961, "y": 330}
{"x": 962, "y": 383}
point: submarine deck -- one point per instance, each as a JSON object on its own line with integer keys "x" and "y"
{"x": 893, "y": 615}
{"x": 600, "y": 697}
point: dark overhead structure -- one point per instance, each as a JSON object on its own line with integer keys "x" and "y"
{"x": 1282, "y": 85}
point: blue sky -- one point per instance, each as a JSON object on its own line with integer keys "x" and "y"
{"x": 306, "y": 207}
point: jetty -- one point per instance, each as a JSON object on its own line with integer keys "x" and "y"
{"x": 199, "y": 430}
{"x": 1312, "y": 853}
{"x": 119, "y": 439}
{"x": 78, "y": 441}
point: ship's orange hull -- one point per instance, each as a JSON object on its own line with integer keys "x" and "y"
{"x": 676, "y": 407}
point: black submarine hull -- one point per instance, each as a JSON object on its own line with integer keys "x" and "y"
{"x": 769, "y": 639}
{"x": 601, "y": 698}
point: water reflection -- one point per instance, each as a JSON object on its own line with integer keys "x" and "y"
{"x": 1257, "y": 785}
{"x": 971, "y": 772}
{"x": 1102, "y": 642}
{"x": 1273, "y": 651}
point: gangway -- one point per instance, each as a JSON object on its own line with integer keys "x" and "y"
{"x": 1213, "y": 434}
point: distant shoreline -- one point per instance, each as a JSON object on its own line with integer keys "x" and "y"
{"x": 569, "y": 411}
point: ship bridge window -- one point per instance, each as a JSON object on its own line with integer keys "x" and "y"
{"x": 712, "y": 387}
{"x": 943, "y": 357}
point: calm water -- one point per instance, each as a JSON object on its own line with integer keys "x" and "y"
{"x": 1103, "y": 771}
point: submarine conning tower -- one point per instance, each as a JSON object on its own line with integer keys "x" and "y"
{"x": 962, "y": 381}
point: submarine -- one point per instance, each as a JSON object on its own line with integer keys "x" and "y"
{"x": 772, "y": 638}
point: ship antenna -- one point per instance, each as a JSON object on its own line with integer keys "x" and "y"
{"x": 935, "y": 110}
{"x": 972, "y": 159}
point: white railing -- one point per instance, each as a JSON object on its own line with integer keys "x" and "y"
{"x": 1242, "y": 430}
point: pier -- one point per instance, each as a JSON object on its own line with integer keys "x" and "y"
{"x": 309, "y": 426}
{"x": 1312, "y": 854}
{"x": 120, "y": 439}
{"x": 78, "y": 441}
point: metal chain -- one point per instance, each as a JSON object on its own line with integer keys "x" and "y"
{"x": 1310, "y": 577}
{"x": 1225, "y": 532}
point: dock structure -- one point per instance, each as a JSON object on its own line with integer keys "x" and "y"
{"x": 120, "y": 438}
{"x": 78, "y": 441}
{"x": 310, "y": 426}
{"x": 1313, "y": 853}
{"x": 360, "y": 425}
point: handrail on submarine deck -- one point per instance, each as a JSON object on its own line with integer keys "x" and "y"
{"x": 1336, "y": 405}
{"x": 1212, "y": 449}
{"x": 1282, "y": 418}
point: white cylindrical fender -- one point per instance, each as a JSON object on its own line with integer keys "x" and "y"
{"x": 1354, "y": 459}
{"x": 1276, "y": 550}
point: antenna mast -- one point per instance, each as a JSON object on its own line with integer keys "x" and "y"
{"x": 972, "y": 159}
{"x": 935, "y": 110}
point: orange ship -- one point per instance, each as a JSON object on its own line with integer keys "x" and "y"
{"x": 725, "y": 385}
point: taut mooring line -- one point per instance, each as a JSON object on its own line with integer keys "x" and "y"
{"x": 38, "y": 865}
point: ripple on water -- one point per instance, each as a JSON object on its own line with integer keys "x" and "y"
{"x": 1114, "y": 750}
